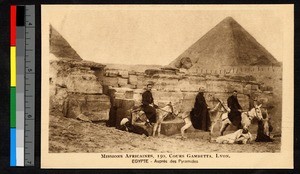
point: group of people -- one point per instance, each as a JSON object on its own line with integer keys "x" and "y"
{"x": 200, "y": 113}
{"x": 200, "y": 117}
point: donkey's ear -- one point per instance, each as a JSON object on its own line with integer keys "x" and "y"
{"x": 259, "y": 106}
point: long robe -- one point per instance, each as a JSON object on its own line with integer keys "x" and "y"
{"x": 234, "y": 115}
{"x": 261, "y": 136}
{"x": 199, "y": 115}
{"x": 235, "y": 137}
{"x": 111, "y": 122}
{"x": 150, "y": 111}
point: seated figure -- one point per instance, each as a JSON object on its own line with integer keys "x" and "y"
{"x": 126, "y": 125}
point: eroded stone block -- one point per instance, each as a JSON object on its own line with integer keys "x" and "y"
{"x": 133, "y": 79}
{"x": 123, "y": 73}
{"x": 122, "y": 81}
{"x": 96, "y": 107}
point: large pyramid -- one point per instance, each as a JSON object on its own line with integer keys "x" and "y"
{"x": 227, "y": 44}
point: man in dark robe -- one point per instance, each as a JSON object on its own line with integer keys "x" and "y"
{"x": 199, "y": 114}
{"x": 148, "y": 104}
{"x": 264, "y": 128}
{"x": 261, "y": 135}
{"x": 235, "y": 110}
{"x": 111, "y": 122}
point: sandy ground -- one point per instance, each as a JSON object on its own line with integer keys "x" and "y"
{"x": 70, "y": 135}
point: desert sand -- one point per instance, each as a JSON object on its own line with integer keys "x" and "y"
{"x": 70, "y": 135}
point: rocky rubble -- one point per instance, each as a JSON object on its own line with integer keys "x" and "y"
{"x": 75, "y": 90}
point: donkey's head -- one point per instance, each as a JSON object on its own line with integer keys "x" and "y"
{"x": 164, "y": 112}
{"x": 170, "y": 107}
{"x": 256, "y": 112}
{"x": 248, "y": 116}
{"x": 221, "y": 106}
{"x": 174, "y": 108}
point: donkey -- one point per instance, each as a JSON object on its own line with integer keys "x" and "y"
{"x": 246, "y": 118}
{"x": 161, "y": 114}
{"x": 138, "y": 115}
{"x": 213, "y": 113}
{"x": 216, "y": 114}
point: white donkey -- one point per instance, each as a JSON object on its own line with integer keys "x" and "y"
{"x": 213, "y": 113}
{"x": 161, "y": 114}
{"x": 138, "y": 115}
{"x": 247, "y": 117}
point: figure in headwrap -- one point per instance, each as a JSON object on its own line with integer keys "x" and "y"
{"x": 126, "y": 125}
{"x": 199, "y": 114}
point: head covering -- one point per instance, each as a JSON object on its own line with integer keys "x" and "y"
{"x": 124, "y": 121}
{"x": 201, "y": 89}
{"x": 150, "y": 83}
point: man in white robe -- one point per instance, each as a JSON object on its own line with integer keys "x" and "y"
{"x": 241, "y": 136}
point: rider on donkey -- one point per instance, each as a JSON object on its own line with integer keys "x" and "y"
{"x": 148, "y": 105}
{"x": 235, "y": 110}
{"x": 200, "y": 113}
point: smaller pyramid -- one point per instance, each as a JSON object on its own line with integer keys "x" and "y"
{"x": 227, "y": 44}
{"x": 60, "y": 47}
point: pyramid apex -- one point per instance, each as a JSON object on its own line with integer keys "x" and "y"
{"x": 228, "y": 19}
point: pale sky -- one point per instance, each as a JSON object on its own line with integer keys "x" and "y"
{"x": 156, "y": 34}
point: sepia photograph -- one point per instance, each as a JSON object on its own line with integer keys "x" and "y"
{"x": 176, "y": 86}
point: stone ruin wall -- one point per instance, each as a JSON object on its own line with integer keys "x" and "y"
{"x": 77, "y": 89}
{"x": 181, "y": 88}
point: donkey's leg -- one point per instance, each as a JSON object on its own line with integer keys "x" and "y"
{"x": 159, "y": 128}
{"x": 154, "y": 128}
{"x": 185, "y": 127}
{"x": 225, "y": 124}
{"x": 214, "y": 119}
{"x": 213, "y": 123}
{"x": 212, "y": 127}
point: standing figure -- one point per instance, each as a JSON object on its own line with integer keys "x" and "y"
{"x": 264, "y": 128}
{"x": 148, "y": 104}
{"x": 112, "y": 119}
{"x": 235, "y": 110}
{"x": 199, "y": 114}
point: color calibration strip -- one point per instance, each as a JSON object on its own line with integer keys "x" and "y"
{"x": 13, "y": 81}
{"x": 22, "y": 83}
